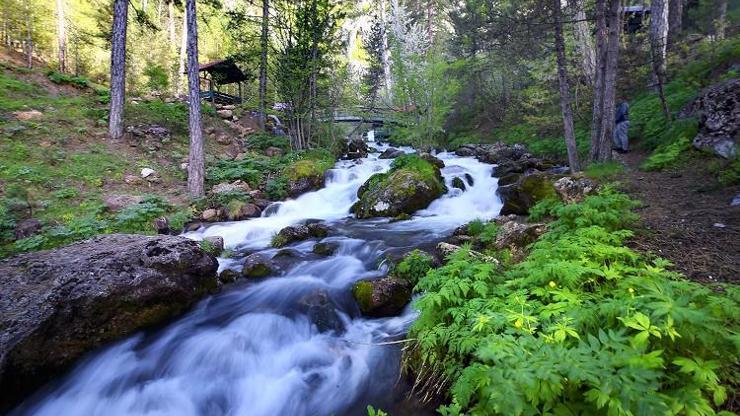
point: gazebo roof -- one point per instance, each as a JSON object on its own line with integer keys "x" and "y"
{"x": 224, "y": 71}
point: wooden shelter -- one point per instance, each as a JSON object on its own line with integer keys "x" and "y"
{"x": 218, "y": 74}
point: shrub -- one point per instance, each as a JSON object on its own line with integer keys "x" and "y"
{"x": 231, "y": 170}
{"x": 139, "y": 217}
{"x": 157, "y": 78}
{"x": 277, "y": 188}
{"x": 263, "y": 140}
{"x": 413, "y": 266}
{"x": 77, "y": 81}
{"x": 584, "y": 325}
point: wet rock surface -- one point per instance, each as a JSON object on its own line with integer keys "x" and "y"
{"x": 718, "y": 111}
{"x": 56, "y": 305}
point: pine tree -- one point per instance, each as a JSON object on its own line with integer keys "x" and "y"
{"x": 196, "y": 159}
{"x": 118, "y": 68}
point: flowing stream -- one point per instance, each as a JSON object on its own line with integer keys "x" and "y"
{"x": 255, "y": 349}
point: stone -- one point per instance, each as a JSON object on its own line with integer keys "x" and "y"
{"x": 403, "y": 191}
{"x": 27, "y": 115}
{"x": 59, "y": 304}
{"x": 115, "y": 203}
{"x": 236, "y": 186}
{"x": 222, "y": 138}
{"x": 469, "y": 179}
{"x": 210, "y": 214}
{"x": 217, "y": 242}
{"x": 381, "y": 297}
{"x": 304, "y": 184}
{"x": 225, "y": 113}
{"x": 391, "y": 153}
{"x": 27, "y": 228}
{"x": 325, "y": 249}
{"x": 458, "y": 183}
{"x": 320, "y": 310}
{"x": 438, "y": 163}
{"x": 519, "y": 197}
{"x": 258, "y": 265}
{"x": 273, "y": 151}
{"x": 162, "y": 226}
{"x": 239, "y": 210}
{"x": 133, "y": 180}
{"x": 356, "y": 148}
{"x": 465, "y": 151}
{"x": 573, "y": 190}
{"x": 228, "y": 276}
{"x": 147, "y": 172}
{"x": 517, "y": 236}
{"x": 295, "y": 233}
{"x": 718, "y": 111}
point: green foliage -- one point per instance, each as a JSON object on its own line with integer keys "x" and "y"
{"x": 309, "y": 163}
{"x": 209, "y": 247}
{"x": 277, "y": 188}
{"x": 231, "y": 170}
{"x": 171, "y": 115}
{"x": 476, "y": 227}
{"x": 489, "y": 232}
{"x": 667, "y": 155}
{"x": 157, "y": 78}
{"x": 7, "y": 223}
{"x": 263, "y": 140}
{"x": 66, "y": 79}
{"x": 371, "y": 411}
{"x": 727, "y": 171}
{"x": 140, "y": 216}
{"x": 413, "y": 266}
{"x": 604, "y": 171}
{"x": 584, "y": 325}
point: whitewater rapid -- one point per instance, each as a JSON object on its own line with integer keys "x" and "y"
{"x": 256, "y": 349}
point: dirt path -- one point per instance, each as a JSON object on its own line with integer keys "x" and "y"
{"x": 687, "y": 218}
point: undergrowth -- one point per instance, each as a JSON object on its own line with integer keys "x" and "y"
{"x": 583, "y": 326}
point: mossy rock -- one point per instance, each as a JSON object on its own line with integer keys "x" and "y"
{"x": 458, "y": 183}
{"x": 411, "y": 184}
{"x": 381, "y": 297}
{"x": 325, "y": 249}
{"x": 257, "y": 265}
{"x": 521, "y": 196}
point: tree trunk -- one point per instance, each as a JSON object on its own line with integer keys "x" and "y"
{"x": 196, "y": 159}
{"x": 386, "y": 53}
{"x": 601, "y": 55}
{"x": 264, "y": 44}
{"x": 584, "y": 44}
{"x": 29, "y": 37}
{"x": 62, "y": 36}
{"x": 171, "y": 24}
{"x": 570, "y": 138}
{"x": 183, "y": 53}
{"x": 118, "y": 69}
{"x": 610, "y": 80}
{"x": 658, "y": 47}
{"x": 675, "y": 21}
{"x": 720, "y": 23}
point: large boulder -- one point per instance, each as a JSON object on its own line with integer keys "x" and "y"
{"x": 356, "y": 148}
{"x": 405, "y": 189}
{"x": 718, "y": 112}
{"x": 381, "y": 297}
{"x": 304, "y": 184}
{"x": 573, "y": 190}
{"x": 258, "y": 265}
{"x": 58, "y": 304}
{"x": 516, "y": 236}
{"x": 295, "y": 233}
{"x": 523, "y": 194}
{"x": 391, "y": 153}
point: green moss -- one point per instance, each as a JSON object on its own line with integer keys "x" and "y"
{"x": 278, "y": 240}
{"x": 362, "y": 291}
{"x": 309, "y": 164}
{"x": 209, "y": 248}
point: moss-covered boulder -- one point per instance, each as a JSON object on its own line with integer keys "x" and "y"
{"x": 522, "y": 195}
{"x": 411, "y": 184}
{"x": 295, "y": 233}
{"x": 381, "y": 297}
{"x": 458, "y": 183}
{"x": 258, "y": 265}
{"x": 307, "y": 172}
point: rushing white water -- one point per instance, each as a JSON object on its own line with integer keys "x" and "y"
{"x": 289, "y": 345}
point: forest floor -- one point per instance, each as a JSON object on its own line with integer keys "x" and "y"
{"x": 686, "y": 217}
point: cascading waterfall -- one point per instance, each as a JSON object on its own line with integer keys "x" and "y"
{"x": 256, "y": 349}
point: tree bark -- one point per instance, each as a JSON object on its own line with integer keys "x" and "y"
{"x": 584, "y": 44}
{"x": 264, "y": 44}
{"x": 720, "y": 22}
{"x": 171, "y": 24}
{"x": 196, "y": 159}
{"x": 386, "y": 53}
{"x": 62, "y": 36}
{"x": 183, "y": 53}
{"x": 675, "y": 21}
{"x": 610, "y": 80}
{"x": 118, "y": 68}
{"x": 565, "y": 106}
{"x": 29, "y": 37}
{"x": 601, "y": 55}
{"x": 658, "y": 47}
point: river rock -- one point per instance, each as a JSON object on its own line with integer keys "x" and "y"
{"x": 225, "y": 114}
{"x": 295, "y": 233}
{"x": 403, "y": 191}
{"x": 381, "y": 297}
{"x": 236, "y": 186}
{"x": 304, "y": 184}
{"x": 573, "y": 190}
{"x": 115, "y": 203}
{"x": 465, "y": 151}
{"x": 56, "y": 305}
{"x": 258, "y": 265}
{"x": 391, "y": 153}
{"x": 356, "y": 148}
{"x": 718, "y": 112}
{"x": 438, "y": 163}
{"x": 320, "y": 310}
{"x": 517, "y": 236}
{"x": 458, "y": 183}
{"x": 217, "y": 242}
{"x": 273, "y": 151}
{"x": 238, "y": 210}
{"x": 325, "y": 248}
{"x": 522, "y": 195}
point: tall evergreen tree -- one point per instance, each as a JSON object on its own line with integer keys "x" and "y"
{"x": 118, "y": 68}
{"x": 196, "y": 159}
{"x": 565, "y": 106}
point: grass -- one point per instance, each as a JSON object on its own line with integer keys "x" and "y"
{"x": 604, "y": 171}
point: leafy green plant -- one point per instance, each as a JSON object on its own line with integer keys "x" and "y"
{"x": 77, "y": 81}
{"x": 604, "y": 171}
{"x": 489, "y": 232}
{"x": 140, "y": 216}
{"x": 277, "y": 188}
{"x": 157, "y": 78}
{"x": 584, "y": 324}
{"x": 413, "y": 266}
{"x": 371, "y": 411}
{"x": 263, "y": 140}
